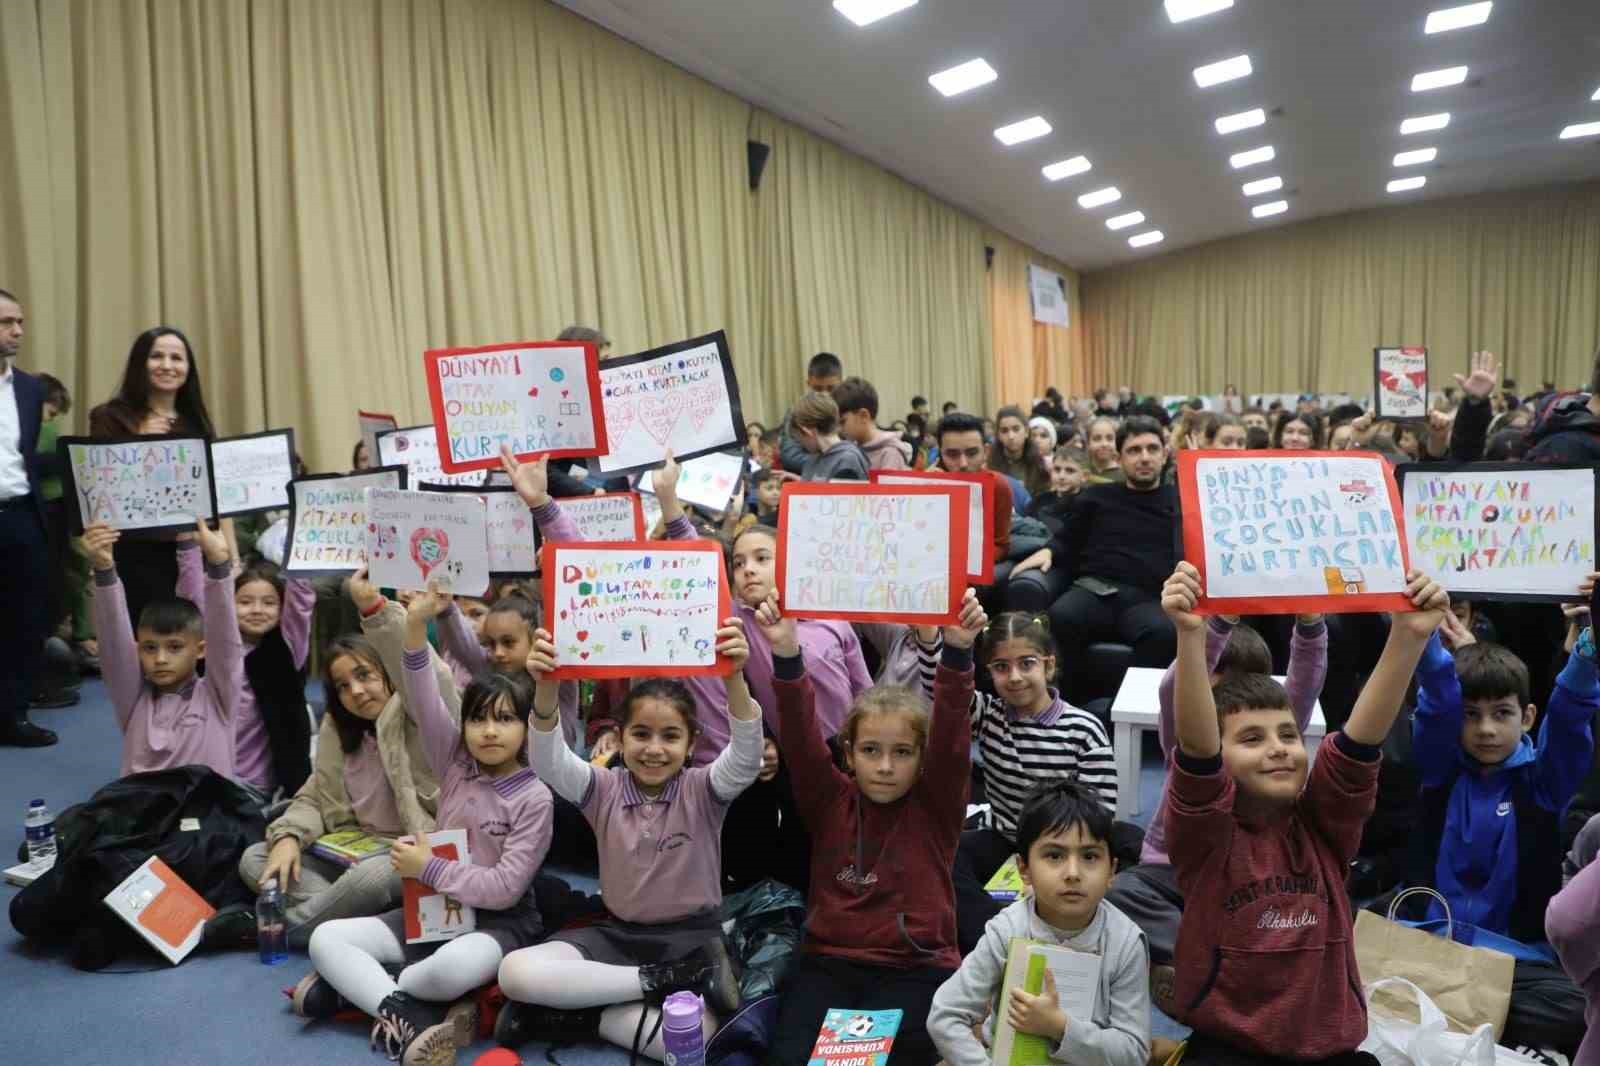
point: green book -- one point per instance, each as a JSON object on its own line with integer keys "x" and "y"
{"x": 1077, "y": 975}
{"x": 347, "y": 847}
{"x": 1006, "y": 884}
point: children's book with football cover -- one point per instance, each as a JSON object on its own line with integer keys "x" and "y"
{"x": 855, "y": 1037}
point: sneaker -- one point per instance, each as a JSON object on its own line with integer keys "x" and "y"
{"x": 414, "y": 1032}
{"x": 709, "y": 970}
{"x": 519, "y": 1023}
{"x": 315, "y": 998}
{"x": 231, "y": 928}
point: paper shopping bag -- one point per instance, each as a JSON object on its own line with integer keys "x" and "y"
{"x": 1471, "y": 985}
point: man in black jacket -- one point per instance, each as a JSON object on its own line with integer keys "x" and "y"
{"x": 24, "y": 577}
{"x": 1118, "y": 546}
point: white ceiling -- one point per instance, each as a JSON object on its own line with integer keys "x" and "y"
{"x": 1113, "y": 77}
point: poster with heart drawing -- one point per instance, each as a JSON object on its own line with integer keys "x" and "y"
{"x": 684, "y": 397}
{"x": 416, "y": 537}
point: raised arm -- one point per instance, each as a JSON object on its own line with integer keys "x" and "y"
{"x": 384, "y": 623}
{"x": 1409, "y": 633}
{"x": 1219, "y": 630}
{"x": 569, "y": 776}
{"x": 191, "y": 572}
{"x": 458, "y": 639}
{"x": 439, "y": 729}
{"x": 119, "y": 656}
{"x": 224, "y": 645}
{"x": 737, "y": 765}
{"x": 299, "y": 603}
{"x": 804, "y": 749}
{"x": 1565, "y": 742}
{"x": 1436, "y": 723}
{"x": 1308, "y": 666}
{"x": 522, "y": 852}
{"x": 1199, "y": 736}
{"x": 948, "y": 762}
{"x": 532, "y": 482}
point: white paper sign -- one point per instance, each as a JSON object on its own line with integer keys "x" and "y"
{"x": 513, "y": 545}
{"x": 1049, "y": 297}
{"x": 415, "y": 537}
{"x": 977, "y": 528}
{"x": 683, "y": 397}
{"x": 612, "y": 516}
{"x": 1509, "y": 531}
{"x": 253, "y": 472}
{"x": 417, "y": 449}
{"x": 328, "y": 521}
{"x": 536, "y": 398}
{"x": 154, "y": 483}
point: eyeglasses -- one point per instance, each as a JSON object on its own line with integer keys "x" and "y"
{"x": 1025, "y": 665}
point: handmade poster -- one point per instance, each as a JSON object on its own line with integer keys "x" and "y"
{"x": 328, "y": 521}
{"x": 540, "y": 397}
{"x": 253, "y": 472}
{"x": 608, "y": 517}
{"x": 684, "y": 397}
{"x": 417, "y": 449}
{"x": 1302, "y": 532}
{"x": 649, "y": 608}
{"x": 431, "y": 915}
{"x": 708, "y": 482}
{"x": 1502, "y": 531}
{"x": 980, "y": 513}
{"x": 873, "y": 553}
{"x": 1400, "y": 382}
{"x": 414, "y": 538}
{"x": 139, "y": 482}
{"x": 1049, "y": 296}
{"x": 371, "y": 423}
{"x": 513, "y": 536}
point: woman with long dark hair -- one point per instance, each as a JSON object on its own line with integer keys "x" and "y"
{"x": 160, "y": 394}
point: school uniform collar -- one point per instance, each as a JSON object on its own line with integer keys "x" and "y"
{"x": 632, "y": 797}
{"x": 186, "y": 691}
{"x": 511, "y": 784}
{"x": 1047, "y": 717}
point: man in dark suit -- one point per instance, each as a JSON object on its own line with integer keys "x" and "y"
{"x": 24, "y": 572}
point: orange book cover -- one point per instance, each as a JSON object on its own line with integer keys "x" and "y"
{"x": 161, "y": 907}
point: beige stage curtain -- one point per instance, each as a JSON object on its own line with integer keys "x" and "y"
{"x": 317, "y": 192}
{"x": 1029, "y": 356}
{"x": 1302, "y": 307}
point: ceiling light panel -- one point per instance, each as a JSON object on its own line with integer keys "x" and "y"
{"x": 1582, "y": 129}
{"x": 866, "y": 12}
{"x": 1242, "y": 121}
{"x": 1425, "y": 123}
{"x": 1276, "y": 207}
{"x": 1029, "y": 129}
{"x": 1406, "y": 184}
{"x": 1457, "y": 18}
{"x": 1412, "y": 158}
{"x": 1256, "y": 188}
{"x": 1132, "y": 218}
{"x": 963, "y": 78}
{"x": 1100, "y": 197}
{"x": 1184, "y": 10}
{"x": 1226, "y": 70}
{"x": 1140, "y": 240}
{"x": 1066, "y": 168}
{"x": 1240, "y": 160}
{"x": 1438, "y": 79}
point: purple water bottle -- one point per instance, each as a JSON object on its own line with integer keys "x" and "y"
{"x": 681, "y": 1036}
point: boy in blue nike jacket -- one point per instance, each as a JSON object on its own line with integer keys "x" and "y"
{"x": 1492, "y": 795}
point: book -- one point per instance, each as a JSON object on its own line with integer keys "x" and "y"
{"x": 855, "y": 1037}
{"x": 1077, "y": 976}
{"x": 433, "y": 915}
{"x": 162, "y": 908}
{"x": 1006, "y": 884}
{"x": 347, "y": 847}
{"x": 26, "y": 873}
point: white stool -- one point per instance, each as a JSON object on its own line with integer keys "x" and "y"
{"x": 1138, "y": 708}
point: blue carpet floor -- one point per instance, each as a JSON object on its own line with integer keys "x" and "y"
{"x": 223, "y": 1009}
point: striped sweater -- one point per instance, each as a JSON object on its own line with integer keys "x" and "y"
{"x": 1018, "y": 753}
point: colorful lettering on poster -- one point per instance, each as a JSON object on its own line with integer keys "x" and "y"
{"x": 857, "y": 556}
{"x": 1476, "y": 524}
{"x": 1261, "y": 518}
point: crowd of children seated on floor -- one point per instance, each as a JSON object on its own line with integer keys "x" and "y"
{"x": 837, "y": 758}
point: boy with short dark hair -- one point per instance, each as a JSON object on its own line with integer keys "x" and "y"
{"x": 1265, "y": 958}
{"x": 1064, "y": 857}
{"x": 858, "y": 421}
{"x": 814, "y": 422}
{"x": 769, "y": 490}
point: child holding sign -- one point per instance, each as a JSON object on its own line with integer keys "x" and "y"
{"x": 881, "y": 914}
{"x": 487, "y": 788}
{"x": 658, "y": 823}
{"x": 1265, "y": 962}
{"x": 167, "y": 718}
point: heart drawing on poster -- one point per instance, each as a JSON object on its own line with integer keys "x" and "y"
{"x": 429, "y": 547}
{"x": 619, "y": 416}
{"x": 702, "y": 403}
{"x": 658, "y": 415}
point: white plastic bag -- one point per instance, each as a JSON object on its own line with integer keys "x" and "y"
{"x": 1429, "y": 1041}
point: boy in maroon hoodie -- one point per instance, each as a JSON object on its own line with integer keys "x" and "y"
{"x": 1266, "y": 966}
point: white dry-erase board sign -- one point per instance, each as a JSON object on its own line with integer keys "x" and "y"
{"x": 417, "y": 449}
{"x": 139, "y": 482}
{"x": 1502, "y": 531}
{"x": 253, "y": 472}
{"x": 873, "y": 553}
{"x": 414, "y": 538}
{"x": 1293, "y": 532}
{"x": 683, "y": 397}
{"x": 1400, "y": 382}
{"x": 328, "y": 521}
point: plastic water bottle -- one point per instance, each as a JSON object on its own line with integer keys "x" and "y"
{"x": 270, "y": 925}
{"x": 681, "y": 1036}
{"x": 40, "y": 827}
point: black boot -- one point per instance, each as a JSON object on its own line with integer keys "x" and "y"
{"x": 402, "y": 1022}
{"x": 710, "y": 971}
{"x": 519, "y": 1023}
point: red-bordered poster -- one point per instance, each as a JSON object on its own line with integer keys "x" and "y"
{"x": 980, "y": 513}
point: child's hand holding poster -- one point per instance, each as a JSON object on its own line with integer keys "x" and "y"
{"x": 635, "y": 610}
{"x": 417, "y": 449}
{"x": 540, "y": 398}
{"x": 139, "y": 482}
{"x": 683, "y": 397}
{"x": 873, "y": 553}
{"x": 328, "y": 521}
{"x": 417, "y": 537}
{"x": 1400, "y": 382}
{"x": 253, "y": 472}
{"x": 1288, "y": 532}
{"x": 1502, "y": 531}
{"x": 980, "y": 512}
